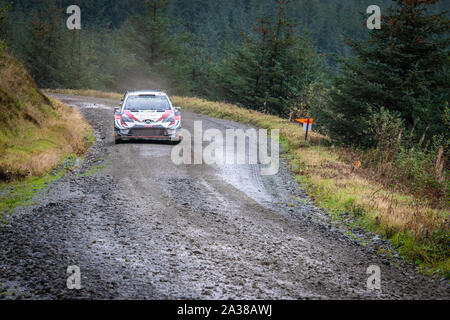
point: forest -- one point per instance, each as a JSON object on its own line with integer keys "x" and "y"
{"x": 384, "y": 90}
{"x": 193, "y": 37}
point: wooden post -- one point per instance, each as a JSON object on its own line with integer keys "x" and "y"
{"x": 307, "y": 129}
{"x": 308, "y": 122}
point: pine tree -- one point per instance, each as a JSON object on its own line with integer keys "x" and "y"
{"x": 402, "y": 69}
{"x": 45, "y": 51}
{"x": 159, "y": 55}
{"x": 272, "y": 69}
{"x": 3, "y": 10}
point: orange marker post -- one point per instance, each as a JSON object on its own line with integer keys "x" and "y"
{"x": 308, "y": 122}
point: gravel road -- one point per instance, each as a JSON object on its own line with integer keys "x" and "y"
{"x": 144, "y": 228}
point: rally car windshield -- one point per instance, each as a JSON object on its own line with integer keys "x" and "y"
{"x": 147, "y": 102}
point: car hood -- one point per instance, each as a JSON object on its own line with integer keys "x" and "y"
{"x": 144, "y": 115}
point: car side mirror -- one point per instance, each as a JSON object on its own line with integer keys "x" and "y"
{"x": 177, "y": 109}
{"x": 117, "y": 110}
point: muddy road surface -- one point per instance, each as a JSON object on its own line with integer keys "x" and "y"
{"x": 140, "y": 227}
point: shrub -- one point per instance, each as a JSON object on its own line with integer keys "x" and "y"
{"x": 400, "y": 161}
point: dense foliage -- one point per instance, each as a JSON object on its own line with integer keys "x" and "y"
{"x": 100, "y": 54}
{"x": 403, "y": 69}
{"x": 391, "y": 99}
{"x": 273, "y": 69}
{"x": 3, "y": 10}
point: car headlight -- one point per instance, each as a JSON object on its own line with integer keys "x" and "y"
{"x": 126, "y": 119}
{"x": 169, "y": 119}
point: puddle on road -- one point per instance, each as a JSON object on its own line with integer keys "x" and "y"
{"x": 94, "y": 106}
{"x": 247, "y": 179}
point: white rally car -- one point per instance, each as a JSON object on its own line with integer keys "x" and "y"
{"x": 147, "y": 115}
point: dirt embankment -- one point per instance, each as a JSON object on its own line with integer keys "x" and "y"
{"x": 36, "y": 132}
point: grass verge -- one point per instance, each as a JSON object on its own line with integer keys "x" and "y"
{"x": 418, "y": 231}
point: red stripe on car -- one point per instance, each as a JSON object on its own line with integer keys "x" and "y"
{"x": 129, "y": 114}
{"x": 165, "y": 115}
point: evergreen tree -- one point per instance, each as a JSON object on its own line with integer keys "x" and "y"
{"x": 181, "y": 49}
{"x": 45, "y": 53}
{"x": 3, "y": 9}
{"x": 271, "y": 71}
{"x": 402, "y": 69}
{"x": 158, "y": 54}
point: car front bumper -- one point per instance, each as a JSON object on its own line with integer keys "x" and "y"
{"x": 148, "y": 133}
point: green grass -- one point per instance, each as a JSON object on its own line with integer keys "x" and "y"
{"x": 89, "y": 137}
{"x": 430, "y": 253}
{"x": 20, "y": 193}
{"x": 94, "y": 170}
